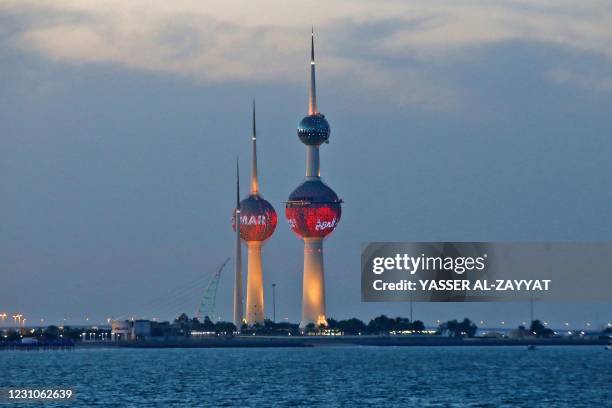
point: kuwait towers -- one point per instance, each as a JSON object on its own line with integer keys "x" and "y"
{"x": 257, "y": 224}
{"x": 313, "y": 209}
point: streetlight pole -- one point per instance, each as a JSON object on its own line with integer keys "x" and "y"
{"x": 531, "y": 308}
{"x": 274, "y": 302}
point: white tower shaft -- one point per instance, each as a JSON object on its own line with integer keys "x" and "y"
{"x": 313, "y": 288}
{"x": 313, "y": 169}
{"x": 255, "y": 294}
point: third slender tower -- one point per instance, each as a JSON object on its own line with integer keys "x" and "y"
{"x": 313, "y": 209}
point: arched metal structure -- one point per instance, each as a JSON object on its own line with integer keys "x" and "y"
{"x": 207, "y": 304}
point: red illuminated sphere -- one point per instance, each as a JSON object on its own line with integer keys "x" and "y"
{"x": 257, "y": 219}
{"x": 313, "y": 209}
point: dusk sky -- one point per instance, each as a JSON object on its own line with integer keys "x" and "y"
{"x": 450, "y": 120}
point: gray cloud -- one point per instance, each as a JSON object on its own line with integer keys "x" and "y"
{"x": 382, "y": 46}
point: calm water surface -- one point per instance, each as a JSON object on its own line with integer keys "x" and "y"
{"x": 332, "y": 376}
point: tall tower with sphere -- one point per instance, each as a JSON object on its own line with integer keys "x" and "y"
{"x": 313, "y": 209}
{"x": 257, "y": 224}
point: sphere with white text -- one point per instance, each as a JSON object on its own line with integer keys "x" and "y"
{"x": 257, "y": 219}
{"x": 313, "y": 209}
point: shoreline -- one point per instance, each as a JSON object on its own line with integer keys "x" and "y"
{"x": 325, "y": 341}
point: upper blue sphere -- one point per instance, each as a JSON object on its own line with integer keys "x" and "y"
{"x": 313, "y": 130}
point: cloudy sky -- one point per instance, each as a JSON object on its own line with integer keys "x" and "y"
{"x": 451, "y": 120}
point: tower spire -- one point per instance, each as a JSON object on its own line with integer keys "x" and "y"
{"x": 254, "y": 180}
{"x": 237, "y": 185}
{"x": 312, "y": 95}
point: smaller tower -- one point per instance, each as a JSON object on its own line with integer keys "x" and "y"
{"x": 238, "y": 308}
{"x": 257, "y": 224}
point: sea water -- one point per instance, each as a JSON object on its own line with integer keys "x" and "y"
{"x": 326, "y": 376}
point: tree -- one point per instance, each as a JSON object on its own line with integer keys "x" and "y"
{"x": 453, "y": 328}
{"x": 270, "y": 328}
{"x": 418, "y": 326}
{"x": 208, "y": 325}
{"x": 402, "y": 324}
{"x": 540, "y": 330}
{"x": 352, "y": 326}
{"x": 196, "y": 324}
{"x": 310, "y": 328}
{"x": 381, "y": 325}
{"x": 51, "y": 333}
{"x": 182, "y": 319}
{"x": 467, "y": 328}
{"x": 69, "y": 333}
{"x": 225, "y": 328}
{"x": 448, "y": 328}
{"x": 332, "y": 323}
